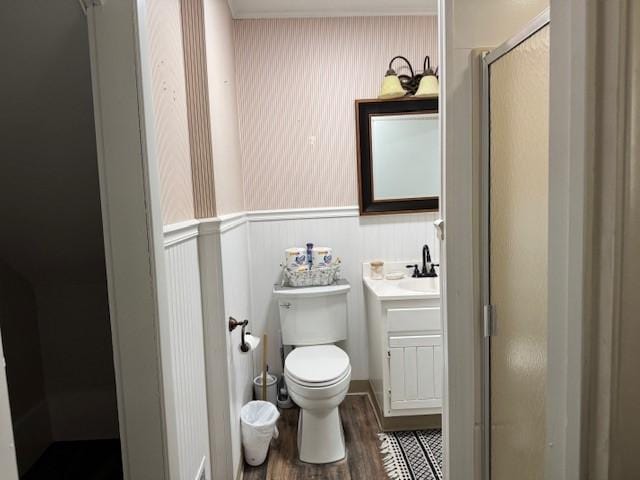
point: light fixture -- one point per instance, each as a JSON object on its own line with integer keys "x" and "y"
{"x": 391, "y": 86}
{"x": 420, "y": 84}
{"x": 429, "y": 85}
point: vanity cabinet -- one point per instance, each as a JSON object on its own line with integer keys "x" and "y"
{"x": 405, "y": 353}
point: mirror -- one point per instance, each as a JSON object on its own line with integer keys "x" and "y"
{"x": 398, "y": 155}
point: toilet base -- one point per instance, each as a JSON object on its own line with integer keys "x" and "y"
{"x": 320, "y": 436}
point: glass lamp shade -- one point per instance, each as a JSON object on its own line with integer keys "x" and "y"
{"x": 428, "y": 86}
{"x": 391, "y": 87}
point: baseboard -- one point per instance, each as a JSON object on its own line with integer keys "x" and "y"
{"x": 394, "y": 424}
{"x": 201, "y": 475}
{"x": 240, "y": 472}
{"x": 359, "y": 386}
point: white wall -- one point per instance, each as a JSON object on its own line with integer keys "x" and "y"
{"x": 236, "y": 273}
{"x": 354, "y": 239}
{"x": 208, "y": 281}
{"x": 188, "y": 383}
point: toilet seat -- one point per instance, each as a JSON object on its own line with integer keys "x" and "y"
{"x": 317, "y": 366}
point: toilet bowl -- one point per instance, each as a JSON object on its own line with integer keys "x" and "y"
{"x": 318, "y": 380}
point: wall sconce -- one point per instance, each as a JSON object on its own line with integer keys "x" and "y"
{"x": 429, "y": 84}
{"x": 420, "y": 84}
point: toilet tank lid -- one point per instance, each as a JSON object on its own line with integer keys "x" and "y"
{"x": 341, "y": 286}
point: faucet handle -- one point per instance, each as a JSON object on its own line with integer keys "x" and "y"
{"x": 432, "y": 270}
{"x": 416, "y": 271}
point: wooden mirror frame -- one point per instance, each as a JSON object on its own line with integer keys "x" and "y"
{"x": 364, "y": 110}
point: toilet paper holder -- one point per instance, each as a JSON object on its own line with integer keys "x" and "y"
{"x": 233, "y": 324}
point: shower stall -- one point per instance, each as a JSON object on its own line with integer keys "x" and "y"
{"x": 515, "y": 131}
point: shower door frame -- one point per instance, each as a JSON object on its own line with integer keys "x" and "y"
{"x": 488, "y": 327}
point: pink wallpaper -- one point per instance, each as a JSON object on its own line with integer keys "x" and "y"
{"x": 297, "y": 80}
{"x": 170, "y": 110}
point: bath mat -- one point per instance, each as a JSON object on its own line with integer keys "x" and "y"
{"x": 414, "y": 455}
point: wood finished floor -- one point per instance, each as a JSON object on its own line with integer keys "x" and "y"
{"x": 363, "y": 460}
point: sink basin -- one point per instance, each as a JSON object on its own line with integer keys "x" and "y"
{"x": 425, "y": 285}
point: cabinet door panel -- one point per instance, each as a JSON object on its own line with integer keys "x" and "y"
{"x": 415, "y": 374}
{"x": 396, "y": 374}
{"x": 426, "y": 387}
{"x": 437, "y": 371}
{"x": 410, "y": 374}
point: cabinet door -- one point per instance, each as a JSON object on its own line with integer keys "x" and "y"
{"x": 415, "y": 371}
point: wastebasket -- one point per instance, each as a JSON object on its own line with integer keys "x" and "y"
{"x": 258, "y": 423}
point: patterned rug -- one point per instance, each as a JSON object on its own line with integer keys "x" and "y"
{"x": 415, "y": 455}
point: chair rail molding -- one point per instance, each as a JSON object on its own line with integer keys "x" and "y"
{"x": 182, "y": 231}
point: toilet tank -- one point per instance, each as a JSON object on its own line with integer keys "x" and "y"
{"x": 313, "y": 315}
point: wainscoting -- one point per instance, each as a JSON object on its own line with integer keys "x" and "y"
{"x": 187, "y": 406}
{"x": 237, "y": 304}
{"x": 226, "y": 266}
{"x": 354, "y": 240}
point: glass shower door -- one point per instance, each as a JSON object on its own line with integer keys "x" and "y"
{"x": 516, "y": 220}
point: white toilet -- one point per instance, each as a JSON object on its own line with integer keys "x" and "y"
{"x": 316, "y": 371}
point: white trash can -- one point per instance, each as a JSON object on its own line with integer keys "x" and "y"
{"x": 258, "y": 423}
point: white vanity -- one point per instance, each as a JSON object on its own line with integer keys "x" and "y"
{"x": 405, "y": 343}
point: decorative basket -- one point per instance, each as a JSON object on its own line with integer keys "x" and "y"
{"x": 316, "y": 277}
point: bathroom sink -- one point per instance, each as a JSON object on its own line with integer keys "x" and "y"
{"x": 425, "y": 285}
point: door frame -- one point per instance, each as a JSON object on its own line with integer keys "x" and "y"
{"x": 536, "y": 24}
{"x": 8, "y": 458}
{"x": 132, "y": 225}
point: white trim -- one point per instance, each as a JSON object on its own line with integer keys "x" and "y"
{"x": 180, "y": 232}
{"x": 201, "y": 469}
{"x": 302, "y": 213}
{"x": 8, "y": 458}
{"x": 132, "y": 233}
{"x": 573, "y": 69}
{"x": 223, "y": 223}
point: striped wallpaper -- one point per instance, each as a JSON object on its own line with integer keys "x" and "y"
{"x": 297, "y": 80}
{"x": 197, "y": 93}
{"x": 170, "y": 110}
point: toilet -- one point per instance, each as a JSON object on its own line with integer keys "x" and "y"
{"x": 317, "y": 372}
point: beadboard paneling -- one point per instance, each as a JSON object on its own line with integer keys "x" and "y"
{"x": 187, "y": 356}
{"x": 239, "y": 259}
{"x": 236, "y": 273}
{"x": 170, "y": 110}
{"x": 355, "y": 240}
{"x": 297, "y": 80}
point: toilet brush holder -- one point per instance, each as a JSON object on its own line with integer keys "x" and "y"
{"x": 272, "y": 388}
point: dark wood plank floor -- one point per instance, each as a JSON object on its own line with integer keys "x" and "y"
{"x": 363, "y": 460}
